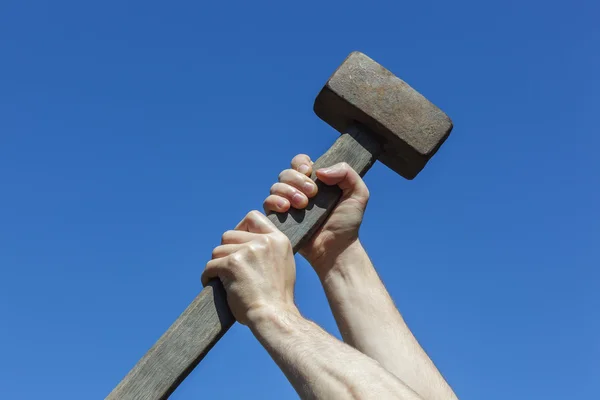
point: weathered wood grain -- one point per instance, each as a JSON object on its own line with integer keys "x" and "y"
{"x": 207, "y": 318}
{"x": 180, "y": 348}
{"x": 357, "y": 148}
{"x": 362, "y": 90}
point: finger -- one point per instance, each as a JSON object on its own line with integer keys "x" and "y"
{"x": 347, "y": 179}
{"x": 225, "y": 250}
{"x": 213, "y": 270}
{"x": 276, "y": 203}
{"x": 303, "y": 164}
{"x": 256, "y": 222}
{"x": 237, "y": 237}
{"x": 293, "y": 195}
{"x": 299, "y": 181}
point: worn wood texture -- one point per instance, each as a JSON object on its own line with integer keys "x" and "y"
{"x": 359, "y": 149}
{"x": 179, "y": 349}
{"x": 207, "y": 318}
{"x": 361, "y": 90}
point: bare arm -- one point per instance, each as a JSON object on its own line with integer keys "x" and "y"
{"x": 318, "y": 365}
{"x": 370, "y": 322}
{"x": 256, "y": 265}
{"x": 366, "y": 315}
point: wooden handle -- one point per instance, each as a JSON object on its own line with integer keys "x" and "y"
{"x": 208, "y": 317}
{"x": 357, "y": 148}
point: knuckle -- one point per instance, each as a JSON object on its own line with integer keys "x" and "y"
{"x": 277, "y": 238}
{"x": 251, "y": 217}
{"x": 226, "y": 236}
{"x": 263, "y": 244}
{"x": 285, "y": 174}
{"x": 271, "y": 203}
{"x": 265, "y": 240}
{"x": 300, "y": 177}
{"x": 301, "y": 158}
{"x": 236, "y": 259}
{"x": 211, "y": 267}
{"x": 281, "y": 188}
{"x": 254, "y": 214}
{"x": 256, "y": 248}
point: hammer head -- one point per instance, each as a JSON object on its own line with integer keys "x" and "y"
{"x": 409, "y": 127}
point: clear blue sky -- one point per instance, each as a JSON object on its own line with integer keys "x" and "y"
{"x": 133, "y": 133}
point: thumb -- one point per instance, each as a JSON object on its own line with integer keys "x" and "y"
{"x": 347, "y": 179}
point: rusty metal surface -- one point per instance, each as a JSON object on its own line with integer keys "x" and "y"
{"x": 409, "y": 126}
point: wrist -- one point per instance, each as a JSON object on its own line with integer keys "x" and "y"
{"x": 352, "y": 257}
{"x": 266, "y": 315}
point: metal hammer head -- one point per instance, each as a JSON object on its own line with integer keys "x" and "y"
{"x": 409, "y": 127}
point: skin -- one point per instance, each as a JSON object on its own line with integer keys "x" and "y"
{"x": 255, "y": 263}
{"x": 379, "y": 357}
{"x": 363, "y": 309}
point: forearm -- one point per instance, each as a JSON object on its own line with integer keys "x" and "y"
{"x": 370, "y": 322}
{"x": 318, "y": 365}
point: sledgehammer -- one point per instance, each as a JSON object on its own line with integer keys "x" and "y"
{"x": 380, "y": 117}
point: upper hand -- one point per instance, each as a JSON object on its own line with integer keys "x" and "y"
{"x": 255, "y": 263}
{"x": 341, "y": 228}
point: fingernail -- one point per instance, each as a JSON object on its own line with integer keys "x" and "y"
{"x": 297, "y": 198}
{"x": 303, "y": 168}
{"x": 309, "y": 187}
{"x": 281, "y": 203}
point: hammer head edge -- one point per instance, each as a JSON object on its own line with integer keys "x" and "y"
{"x": 409, "y": 127}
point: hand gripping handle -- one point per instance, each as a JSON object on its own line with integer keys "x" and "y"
{"x": 158, "y": 373}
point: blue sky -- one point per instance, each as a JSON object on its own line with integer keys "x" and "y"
{"x": 132, "y": 134}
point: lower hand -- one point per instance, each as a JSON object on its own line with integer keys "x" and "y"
{"x": 340, "y": 230}
{"x": 255, "y": 263}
